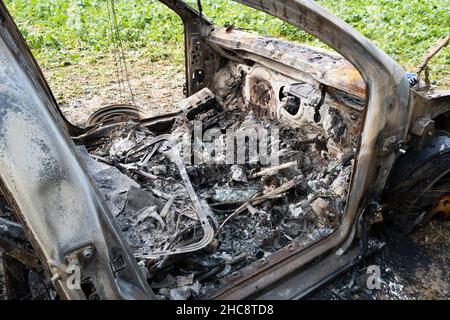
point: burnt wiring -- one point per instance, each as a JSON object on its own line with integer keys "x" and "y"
{"x": 123, "y": 78}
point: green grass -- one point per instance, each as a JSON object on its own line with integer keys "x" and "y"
{"x": 62, "y": 32}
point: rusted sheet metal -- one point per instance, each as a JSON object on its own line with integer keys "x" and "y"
{"x": 324, "y": 66}
{"x": 199, "y": 58}
{"x": 442, "y": 206}
{"x": 309, "y": 279}
{"x": 430, "y": 104}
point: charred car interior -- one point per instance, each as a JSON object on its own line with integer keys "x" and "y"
{"x": 264, "y": 185}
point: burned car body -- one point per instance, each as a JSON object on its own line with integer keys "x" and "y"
{"x": 354, "y": 116}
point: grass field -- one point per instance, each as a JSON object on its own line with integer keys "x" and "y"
{"x": 64, "y": 32}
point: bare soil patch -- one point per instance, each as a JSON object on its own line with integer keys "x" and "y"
{"x": 157, "y": 87}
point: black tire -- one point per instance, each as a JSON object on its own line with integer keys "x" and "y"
{"x": 417, "y": 180}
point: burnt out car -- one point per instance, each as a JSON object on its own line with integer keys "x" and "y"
{"x": 319, "y": 147}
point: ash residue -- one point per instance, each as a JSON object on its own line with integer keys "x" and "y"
{"x": 413, "y": 267}
{"x": 256, "y": 208}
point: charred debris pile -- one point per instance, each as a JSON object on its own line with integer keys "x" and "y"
{"x": 192, "y": 219}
